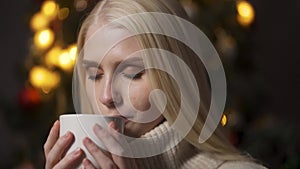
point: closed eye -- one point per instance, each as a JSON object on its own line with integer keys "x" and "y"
{"x": 134, "y": 75}
{"x": 95, "y": 77}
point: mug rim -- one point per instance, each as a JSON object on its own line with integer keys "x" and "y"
{"x": 100, "y": 115}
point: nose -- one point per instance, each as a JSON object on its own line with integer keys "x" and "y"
{"x": 108, "y": 96}
{"x": 105, "y": 96}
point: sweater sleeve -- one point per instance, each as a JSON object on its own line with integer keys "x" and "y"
{"x": 240, "y": 165}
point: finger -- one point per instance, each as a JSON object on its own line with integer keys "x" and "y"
{"x": 123, "y": 162}
{"x": 61, "y": 146}
{"x": 113, "y": 125}
{"x": 111, "y": 139}
{"x": 100, "y": 157}
{"x": 116, "y": 144}
{"x": 52, "y": 137}
{"x": 87, "y": 164}
{"x": 72, "y": 160}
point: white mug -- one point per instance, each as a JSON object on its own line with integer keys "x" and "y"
{"x": 81, "y": 125}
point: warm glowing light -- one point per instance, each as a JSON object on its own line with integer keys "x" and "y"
{"x": 244, "y": 9}
{"x": 63, "y": 13}
{"x": 38, "y": 22}
{"x": 37, "y": 76}
{"x": 245, "y": 13}
{"x": 42, "y": 78}
{"x": 65, "y": 61}
{"x": 224, "y": 120}
{"x": 43, "y": 39}
{"x": 52, "y": 56}
{"x": 64, "y": 58}
{"x": 73, "y": 52}
{"x": 49, "y": 8}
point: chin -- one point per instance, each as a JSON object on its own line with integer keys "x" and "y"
{"x": 133, "y": 130}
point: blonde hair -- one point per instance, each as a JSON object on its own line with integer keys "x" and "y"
{"x": 110, "y": 10}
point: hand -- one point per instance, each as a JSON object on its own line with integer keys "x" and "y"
{"x": 111, "y": 141}
{"x": 56, "y": 147}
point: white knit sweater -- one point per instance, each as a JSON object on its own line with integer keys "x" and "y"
{"x": 186, "y": 156}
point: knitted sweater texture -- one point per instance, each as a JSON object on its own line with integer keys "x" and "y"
{"x": 184, "y": 155}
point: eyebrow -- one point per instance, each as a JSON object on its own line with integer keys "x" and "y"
{"x": 88, "y": 63}
{"x": 134, "y": 61}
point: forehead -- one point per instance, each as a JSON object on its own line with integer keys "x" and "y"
{"x": 102, "y": 40}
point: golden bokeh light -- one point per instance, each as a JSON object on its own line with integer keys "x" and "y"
{"x": 224, "y": 120}
{"x": 43, "y": 78}
{"x": 49, "y": 9}
{"x": 52, "y": 57}
{"x": 38, "y": 21}
{"x": 64, "y": 58}
{"x": 43, "y": 39}
{"x": 73, "y": 52}
{"x": 246, "y": 13}
{"x": 65, "y": 61}
{"x": 63, "y": 13}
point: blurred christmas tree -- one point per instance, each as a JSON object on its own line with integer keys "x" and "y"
{"x": 48, "y": 69}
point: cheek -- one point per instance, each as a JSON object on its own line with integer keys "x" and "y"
{"x": 88, "y": 87}
{"x": 90, "y": 91}
{"x": 139, "y": 97}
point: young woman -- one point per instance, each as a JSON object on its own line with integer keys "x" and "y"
{"x": 126, "y": 68}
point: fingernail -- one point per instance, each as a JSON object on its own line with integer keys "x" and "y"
{"x": 98, "y": 127}
{"x": 85, "y": 162}
{"x": 77, "y": 151}
{"x": 88, "y": 140}
{"x": 55, "y": 123}
{"x": 112, "y": 125}
{"x": 67, "y": 135}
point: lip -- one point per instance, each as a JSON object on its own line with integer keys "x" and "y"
{"x": 126, "y": 119}
{"x": 116, "y": 115}
{"x": 129, "y": 119}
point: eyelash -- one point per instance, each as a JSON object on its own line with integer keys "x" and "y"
{"x": 129, "y": 76}
{"x": 133, "y": 76}
{"x": 96, "y": 77}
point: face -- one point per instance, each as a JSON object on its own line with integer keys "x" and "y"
{"x": 119, "y": 85}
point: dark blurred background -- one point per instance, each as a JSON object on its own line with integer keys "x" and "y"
{"x": 260, "y": 58}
